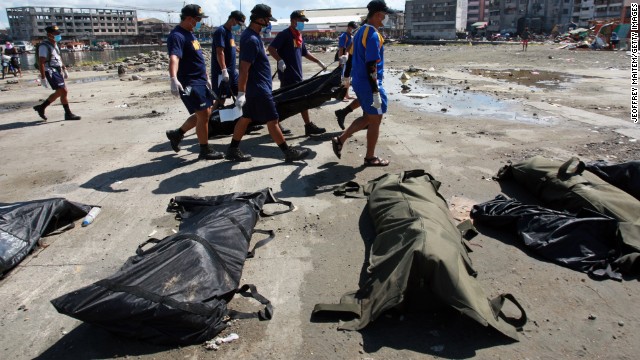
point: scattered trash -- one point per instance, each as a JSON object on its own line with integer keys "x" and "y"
{"x": 152, "y": 233}
{"x": 592, "y": 317}
{"x": 122, "y": 106}
{"x": 620, "y": 323}
{"x": 215, "y": 343}
{"x": 405, "y": 76}
{"x": 91, "y": 216}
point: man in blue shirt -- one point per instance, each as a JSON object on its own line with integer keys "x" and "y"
{"x": 189, "y": 81}
{"x": 287, "y": 49}
{"x": 367, "y": 74}
{"x": 344, "y": 44}
{"x": 254, "y": 90}
{"x": 223, "y": 60}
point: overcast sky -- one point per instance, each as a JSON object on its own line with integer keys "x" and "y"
{"x": 218, "y": 10}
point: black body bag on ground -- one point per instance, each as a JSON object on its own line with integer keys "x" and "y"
{"x": 625, "y": 176}
{"x": 176, "y": 292}
{"x": 22, "y": 225}
{"x": 291, "y": 100}
{"x": 419, "y": 257}
{"x": 588, "y": 241}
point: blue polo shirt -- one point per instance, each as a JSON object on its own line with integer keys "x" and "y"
{"x": 252, "y": 51}
{"x": 368, "y": 45}
{"x": 292, "y": 56}
{"x": 192, "y": 69}
{"x": 223, "y": 38}
{"x": 344, "y": 41}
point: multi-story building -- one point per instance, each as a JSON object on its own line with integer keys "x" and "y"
{"x": 583, "y": 11}
{"x": 152, "y": 31}
{"x": 477, "y": 11}
{"x": 435, "y": 19}
{"x": 28, "y": 22}
{"x": 541, "y": 16}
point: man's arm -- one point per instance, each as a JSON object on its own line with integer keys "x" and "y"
{"x": 274, "y": 53}
{"x": 244, "y": 75}
{"x": 220, "y": 57}
{"x": 174, "y": 61}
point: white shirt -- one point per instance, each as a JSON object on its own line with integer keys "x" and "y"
{"x": 43, "y": 51}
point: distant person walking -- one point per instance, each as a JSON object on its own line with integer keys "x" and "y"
{"x": 615, "y": 40}
{"x": 525, "y": 38}
{"x": 11, "y": 51}
{"x": 254, "y": 90}
{"x": 224, "y": 75}
{"x": 367, "y": 75}
{"x": 53, "y": 72}
{"x": 190, "y": 82}
{"x": 287, "y": 49}
{"x": 345, "y": 42}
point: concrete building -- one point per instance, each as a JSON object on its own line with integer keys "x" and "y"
{"x": 541, "y": 16}
{"x": 477, "y": 11}
{"x": 435, "y": 19}
{"x": 28, "y": 23}
{"x": 153, "y": 31}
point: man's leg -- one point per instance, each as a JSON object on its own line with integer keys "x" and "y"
{"x": 342, "y": 113}
{"x": 373, "y": 131}
{"x": 175, "y": 136}
{"x": 233, "y": 152}
{"x": 290, "y": 153}
{"x": 40, "y": 108}
{"x": 309, "y": 127}
{"x": 68, "y": 115}
{"x": 202, "y": 132}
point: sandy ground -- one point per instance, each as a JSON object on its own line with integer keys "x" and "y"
{"x": 473, "y": 109}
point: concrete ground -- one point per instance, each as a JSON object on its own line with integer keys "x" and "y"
{"x": 117, "y": 157}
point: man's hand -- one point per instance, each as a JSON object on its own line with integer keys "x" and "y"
{"x": 240, "y": 100}
{"x": 377, "y": 101}
{"x": 65, "y": 73}
{"x": 176, "y": 87}
{"x": 343, "y": 59}
{"x": 225, "y": 75}
{"x": 322, "y": 65}
{"x": 44, "y": 82}
{"x": 281, "y": 65}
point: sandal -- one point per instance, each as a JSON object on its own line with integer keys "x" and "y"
{"x": 375, "y": 161}
{"x": 337, "y": 146}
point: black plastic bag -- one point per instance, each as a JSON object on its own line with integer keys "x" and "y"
{"x": 588, "y": 241}
{"x": 177, "y": 291}
{"x": 625, "y": 176}
{"x": 22, "y": 225}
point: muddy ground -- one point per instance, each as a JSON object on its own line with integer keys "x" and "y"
{"x": 467, "y": 111}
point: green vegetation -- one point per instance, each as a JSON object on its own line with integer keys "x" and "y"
{"x": 89, "y": 63}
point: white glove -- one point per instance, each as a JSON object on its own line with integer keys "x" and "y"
{"x": 377, "y": 101}
{"x": 240, "y": 100}
{"x": 225, "y": 75}
{"x": 176, "y": 87}
{"x": 44, "y": 82}
{"x": 281, "y": 65}
{"x": 65, "y": 73}
{"x": 343, "y": 59}
{"x": 322, "y": 65}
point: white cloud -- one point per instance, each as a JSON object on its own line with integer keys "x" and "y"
{"x": 218, "y": 10}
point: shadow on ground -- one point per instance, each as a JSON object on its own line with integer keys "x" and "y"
{"x": 91, "y": 342}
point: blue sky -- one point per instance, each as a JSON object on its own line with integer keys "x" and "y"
{"x": 218, "y": 10}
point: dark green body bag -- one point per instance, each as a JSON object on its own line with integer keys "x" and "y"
{"x": 418, "y": 256}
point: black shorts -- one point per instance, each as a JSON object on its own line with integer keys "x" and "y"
{"x": 199, "y": 98}
{"x": 260, "y": 109}
{"x": 55, "y": 78}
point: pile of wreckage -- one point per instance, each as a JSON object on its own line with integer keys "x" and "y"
{"x": 598, "y": 36}
{"x": 177, "y": 290}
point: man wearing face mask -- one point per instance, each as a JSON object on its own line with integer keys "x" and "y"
{"x": 254, "y": 90}
{"x": 53, "y": 72}
{"x": 367, "y": 74}
{"x": 223, "y": 60}
{"x": 190, "y": 82}
{"x": 287, "y": 49}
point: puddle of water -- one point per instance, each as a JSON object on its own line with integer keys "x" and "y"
{"x": 533, "y": 78}
{"x": 455, "y": 101}
{"x": 94, "y": 79}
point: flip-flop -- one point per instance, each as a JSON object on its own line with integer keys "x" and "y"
{"x": 337, "y": 147}
{"x": 376, "y": 161}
